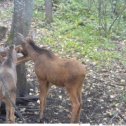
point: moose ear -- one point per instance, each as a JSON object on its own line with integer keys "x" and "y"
{"x": 20, "y": 37}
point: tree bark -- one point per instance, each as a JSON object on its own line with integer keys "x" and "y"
{"x": 22, "y": 17}
{"x": 3, "y": 31}
{"x": 48, "y": 11}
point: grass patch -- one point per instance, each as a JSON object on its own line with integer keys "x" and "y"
{"x": 5, "y": 15}
{"x": 74, "y": 31}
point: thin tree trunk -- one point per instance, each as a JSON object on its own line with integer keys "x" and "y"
{"x": 99, "y": 15}
{"x": 3, "y": 31}
{"x": 23, "y": 10}
{"x": 48, "y": 11}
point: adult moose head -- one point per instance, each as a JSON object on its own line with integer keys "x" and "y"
{"x": 51, "y": 69}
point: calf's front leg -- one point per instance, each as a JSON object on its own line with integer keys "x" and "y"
{"x": 44, "y": 86}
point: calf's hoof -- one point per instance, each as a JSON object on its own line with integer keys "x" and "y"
{"x": 44, "y": 120}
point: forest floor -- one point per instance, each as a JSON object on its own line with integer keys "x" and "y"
{"x": 103, "y": 99}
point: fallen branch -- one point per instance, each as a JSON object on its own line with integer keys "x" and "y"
{"x": 117, "y": 113}
{"x": 24, "y": 100}
{"x": 32, "y": 109}
{"x": 29, "y": 98}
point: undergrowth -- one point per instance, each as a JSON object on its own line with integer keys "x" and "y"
{"x": 74, "y": 32}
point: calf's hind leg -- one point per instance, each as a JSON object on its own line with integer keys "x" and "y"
{"x": 80, "y": 101}
{"x": 76, "y": 103}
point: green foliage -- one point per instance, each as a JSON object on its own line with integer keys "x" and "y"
{"x": 5, "y": 15}
{"x": 39, "y": 11}
{"x": 75, "y": 30}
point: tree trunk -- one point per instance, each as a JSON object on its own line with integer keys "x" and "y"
{"x": 48, "y": 11}
{"x": 22, "y": 17}
{"x": 3, "y": 31}
{"x": 99, "y": 15}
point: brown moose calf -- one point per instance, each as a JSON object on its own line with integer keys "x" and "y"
{"x": 50, "y": 69}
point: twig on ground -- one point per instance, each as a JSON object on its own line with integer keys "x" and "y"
{"x": 117, "y": 114}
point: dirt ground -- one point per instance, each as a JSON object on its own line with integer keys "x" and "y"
{"x": 102, "y": 99}
{"x": 102, "y": 96}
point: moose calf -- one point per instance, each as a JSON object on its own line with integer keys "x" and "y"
{"x": 51, "y": 69}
